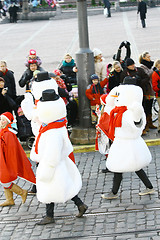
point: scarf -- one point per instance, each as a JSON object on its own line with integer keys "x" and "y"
{"x": 97, "y": 89}
{"x": 70, "y": 64}
{"x": 115, "y": 120}
{"x": 148, "y": 64}
{"x": 4, "y": 73}
{"x": 57, "y": 124}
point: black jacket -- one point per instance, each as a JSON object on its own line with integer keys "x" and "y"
{"x": 9, "y": 82}
{"x": 26, "y": 78}
{"x": 143, "y": 79}
{"x": 4, "y": 105}
{"x": 142, "y": 9}
{"x": 114, "y": 79}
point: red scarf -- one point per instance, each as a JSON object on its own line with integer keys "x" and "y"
{"x": 115, "y": 120}
{"x": 51, "y": 125}
{"x": 4, "y": 73}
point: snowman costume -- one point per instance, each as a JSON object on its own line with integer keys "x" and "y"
{"x": 58, "y": 179}
{"x": 128, "y": 152}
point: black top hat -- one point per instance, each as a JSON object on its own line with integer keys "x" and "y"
{"x": 42, "y": 76}
{"x": 130, "y": 81}
{"x": 49, "y": 95}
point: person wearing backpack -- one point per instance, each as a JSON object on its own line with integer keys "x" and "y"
{"x": 156, "y": 87}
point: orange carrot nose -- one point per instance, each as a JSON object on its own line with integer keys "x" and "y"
{"x": 114, "y": 95}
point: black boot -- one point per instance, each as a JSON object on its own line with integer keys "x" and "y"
{"x": 49, "y": 218}
{"x": 33, "y": 191}
{"x": 81, "y": 206}
{"x": 105, "y": 170}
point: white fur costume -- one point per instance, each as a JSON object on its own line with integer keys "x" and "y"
{"x": 30, "y": 110}
{"x": 129, "y": 152}
{"x": 58, "y": 178}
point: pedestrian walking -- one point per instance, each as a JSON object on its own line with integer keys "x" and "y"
{"x": 13, "y": 161}
{"x": 107, "y": 5}
{"x": 142, "y": 9}
{"x": 58, "y": 179}
{"x": 128, "y": 152}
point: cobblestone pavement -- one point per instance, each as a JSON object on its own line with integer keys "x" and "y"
{"x": 128, "y": 217}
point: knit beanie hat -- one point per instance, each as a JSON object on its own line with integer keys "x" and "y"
{"x": 96, "y": 52}
{"x": 94, "y": 76}
{"x": 32, "y": 52}
{"x": 57, "y": 72}
{"x": 129, "y": 62}
{"x": 8, "y": 116}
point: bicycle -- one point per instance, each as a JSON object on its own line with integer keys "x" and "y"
{"x": 155, "y": 110}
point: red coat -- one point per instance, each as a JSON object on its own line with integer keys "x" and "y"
{"x": 155, "y": 80}
{"x": 95, "y": 97}
{"x": 13, "y": 160}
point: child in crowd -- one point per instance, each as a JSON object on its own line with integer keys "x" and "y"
{"x": 13, "y": 161}
{"x": 99, "y": 64}
{"x": 109, "y": 68}
{"x": 93, "y": 93}
{"x": 32, "y": 56}
{"x": 61, "y": 83}
{"x": 69, "y": 68}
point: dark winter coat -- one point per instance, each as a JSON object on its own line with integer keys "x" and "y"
{"x": 147, "y": 67}
{"x": 4, "y": 105}
{"x": 142, "y": 9}
{"x": 114, "y": 79}
{"x": 9, "y": 83}
{"x": 107, "y": 4}
{"x": 67, "y": 69}
{"x": 143, "y": 80}
{"x": 26, "y": 78}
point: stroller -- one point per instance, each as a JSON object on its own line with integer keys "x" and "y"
{"x": 25, "y": 133}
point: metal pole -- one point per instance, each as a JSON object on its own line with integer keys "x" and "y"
{"x": 85, "y": 64}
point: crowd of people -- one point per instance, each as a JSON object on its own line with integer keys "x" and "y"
{"x": 121, "y": 97}
{"x": 113, "y": 74}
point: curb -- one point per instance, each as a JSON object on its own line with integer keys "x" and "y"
{"x": 91, "y": 148}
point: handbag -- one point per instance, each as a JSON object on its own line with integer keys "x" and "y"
{"x": 105, "y": 12}
{"x": 103, "y": 143}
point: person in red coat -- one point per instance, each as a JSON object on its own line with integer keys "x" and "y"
{"x": 93, "y": 93}
{"x": 156, "y": 87}
{"x": 13, "y": 161}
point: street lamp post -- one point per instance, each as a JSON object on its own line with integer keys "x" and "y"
{"x": 85, "y": 63}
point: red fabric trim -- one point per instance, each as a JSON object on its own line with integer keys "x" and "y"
{"x": 48, "y": 127}
{"x": 71, "y": 156}
{"x": 35, "y": 102}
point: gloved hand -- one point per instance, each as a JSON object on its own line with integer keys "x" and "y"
{"x": 127, "y": 43}
{"x": 122, "y": 44}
